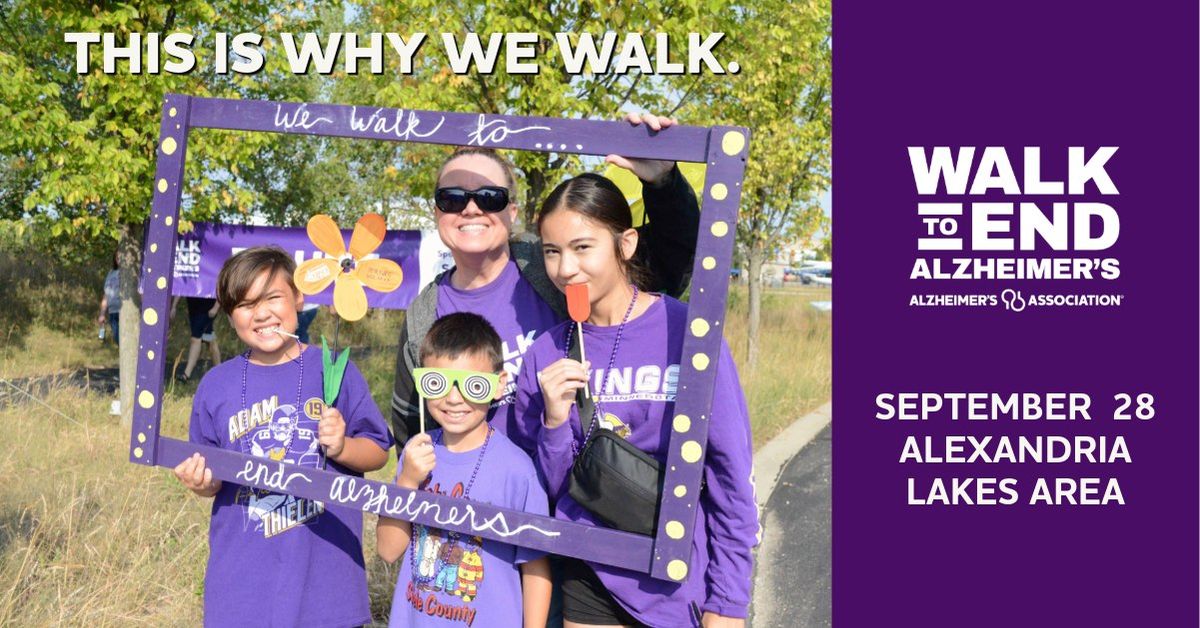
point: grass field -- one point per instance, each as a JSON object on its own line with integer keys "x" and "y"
{"x": 88, "y": 539}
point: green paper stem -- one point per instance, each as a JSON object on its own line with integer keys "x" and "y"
{"x": 335, "y": 368}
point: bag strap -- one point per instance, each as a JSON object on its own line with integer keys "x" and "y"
{"x": 587, "y": 407}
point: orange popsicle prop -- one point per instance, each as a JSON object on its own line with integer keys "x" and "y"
{"x": 579, "y": 308}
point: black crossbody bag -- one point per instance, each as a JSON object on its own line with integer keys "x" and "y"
{"x": 617, "y": 482}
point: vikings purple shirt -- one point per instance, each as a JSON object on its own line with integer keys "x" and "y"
{"x": 519, "y": 315}
{"x": 638, "y": 404}
{"x": 454, "y": 579}
{"x": 278, "y": 560}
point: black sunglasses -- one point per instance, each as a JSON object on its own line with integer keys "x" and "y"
{"x": 454, "y": 200}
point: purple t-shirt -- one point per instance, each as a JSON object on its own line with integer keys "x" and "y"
{"x": 464, "y": 580}
{"x": 517, "y": 312}
{"x": 638, "y": 404}
{"x": 274, "y": 559}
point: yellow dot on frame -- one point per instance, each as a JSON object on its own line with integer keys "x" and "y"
{"x": 677, "y": 569}
{"x": 720, "y": 228}
{"x": 733, "y": 142}
{"x": 718, "y": 192}
{"x": 141, "y": 437}
{"x": 700, "y": 361}
{"x": 161, "y": 283}
{"x": 171, "y": 112}
{"x": 690, "y": 451}
{"x": 674, "y": 530}
{"x": 680, "y": 490}
{"x": 146, "y": 399}
{"x": 169, "y": 146}
{"x": 708, "y": 263}
{"x": 169, "y": 220}
{"x": 153, "y": 248}
{"x": 162, "y": 185}
{"x": 137, "y": 452}
{"x": 150, "y": 316}
{"x": 699, "y": 328}
{"x": 149, "y": 355}
{"x": 682, "y": 423}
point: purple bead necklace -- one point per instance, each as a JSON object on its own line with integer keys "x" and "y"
{"x": 287, "y": 445}
{"x": 412, "y": 538}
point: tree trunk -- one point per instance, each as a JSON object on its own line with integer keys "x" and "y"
{"x": 129, "y": 256}
{"x": 536, "y": 181}
{"x": 756, "y": 255}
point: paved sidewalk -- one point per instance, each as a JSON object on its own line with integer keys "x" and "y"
{"x": 793, "y": 563}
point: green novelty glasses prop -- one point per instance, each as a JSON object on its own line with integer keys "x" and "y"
{"x": 474, "y": 386}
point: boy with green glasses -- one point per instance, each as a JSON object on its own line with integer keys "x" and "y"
{"x": 465, "y": 577}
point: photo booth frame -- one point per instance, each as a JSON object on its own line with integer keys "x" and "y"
{"x": 722, "y": 148}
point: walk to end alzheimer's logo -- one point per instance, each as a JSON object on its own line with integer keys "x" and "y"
{"x": 1014, "y": 244}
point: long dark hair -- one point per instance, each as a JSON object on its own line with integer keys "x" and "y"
{"x": 599, "y": 200}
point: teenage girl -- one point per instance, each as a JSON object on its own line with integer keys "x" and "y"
{"x": 633, "y": 340}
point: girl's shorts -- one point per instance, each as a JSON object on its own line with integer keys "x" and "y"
{"x": 587, "y": 601}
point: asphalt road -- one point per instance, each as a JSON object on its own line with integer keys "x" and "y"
{"x": 793, "y": 576}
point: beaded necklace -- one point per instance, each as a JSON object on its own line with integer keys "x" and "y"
{"x": 287, "y": 445}
{"x": 452, "y": 536}
{"x": 612, "y": 361}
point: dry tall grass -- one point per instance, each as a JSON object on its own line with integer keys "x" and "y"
{"x": 795, "y": 374}
{"x": 86, "y": 538}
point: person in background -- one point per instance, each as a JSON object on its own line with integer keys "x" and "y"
{"x": 305, "y": 318}
{"x": 110, "y": 302}
{"x": 201, "y": 313}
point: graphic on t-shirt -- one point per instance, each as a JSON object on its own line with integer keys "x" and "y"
{"x": 649, "y": 382}
{"x": 514, "y": 354}
{"x": 612, "y": 422}
{"x": 283, "y": 433}
{"x": 447, "y": 562}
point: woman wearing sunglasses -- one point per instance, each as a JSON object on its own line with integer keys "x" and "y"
{"x": 502, "y": 276}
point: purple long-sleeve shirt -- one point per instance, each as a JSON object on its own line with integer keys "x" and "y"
{"x": 638, "y": 402}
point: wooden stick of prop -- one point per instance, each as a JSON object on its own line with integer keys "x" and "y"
{"x": 579, "y": 307}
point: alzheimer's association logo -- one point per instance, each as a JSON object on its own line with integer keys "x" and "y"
{"x": 979, "y": 226}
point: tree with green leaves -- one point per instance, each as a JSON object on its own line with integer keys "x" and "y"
{"x": 83, "y": 145}
{"x": 783, "y": 95}
{"x": 550, "y": 92}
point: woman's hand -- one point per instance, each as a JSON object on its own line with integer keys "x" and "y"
{"x": 559, "y": 383}
{"x": 652, "y": 171}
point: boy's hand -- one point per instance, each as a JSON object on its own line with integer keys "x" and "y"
{"x": 197, "y": 477}
{"x": 559, "y": 381}
{"x": 652, "y": 171}
{"x": 419, "y": 461}
{"x": 331, "y": 431}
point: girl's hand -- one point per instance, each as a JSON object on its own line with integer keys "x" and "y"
{"x": 713, "y": 620}
{"x": 197, "y": 477}
{"x": 652, "y": 171}
{"x": 559, "y": 382}
{"x": 419, "y": 461}
{"x": 331, "y": 431}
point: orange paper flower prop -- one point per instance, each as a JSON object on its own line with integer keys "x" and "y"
{"x": 348, "y": 268}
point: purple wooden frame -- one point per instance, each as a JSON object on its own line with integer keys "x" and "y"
{"x": 666, "y": 554}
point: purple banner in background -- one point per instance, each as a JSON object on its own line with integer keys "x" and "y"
{"x": 201, "y": 252}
